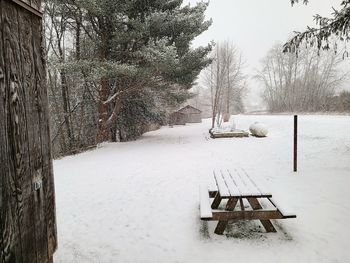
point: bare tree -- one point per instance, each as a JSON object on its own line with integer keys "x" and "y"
{"x": 72, "y": 99}
{"x": 299, "y": 83}
{"x": 57, "y": 25}
{"x": 225, "y": 81}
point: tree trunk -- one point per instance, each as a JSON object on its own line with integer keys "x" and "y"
{"x": 65, "y": 94}
{"x": 66, "y": 109}
{"x": 77, "y": 35}
{"x": 103, "y": 130}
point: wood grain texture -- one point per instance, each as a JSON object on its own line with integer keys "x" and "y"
{"x": 27, "y": 217}
{"x": 35, "y": 199}
{"x": 47, "y": 167}
{"x": 7, "y": 247}
{"x": 13, "y": 116}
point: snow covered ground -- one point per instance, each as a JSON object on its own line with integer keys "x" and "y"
{"x": 138, "y": 201}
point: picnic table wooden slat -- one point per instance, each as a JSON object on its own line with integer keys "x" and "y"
{"x": 237, "y": 184}
{"x": 222, "y": 187}
{"x": 261, "y": 188}
{"x": 249, "y": 188}
{"x": 244, "y": 190}
{"x": 232, "y": 187}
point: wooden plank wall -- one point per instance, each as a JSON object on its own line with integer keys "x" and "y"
{"x": 27, "y": 217}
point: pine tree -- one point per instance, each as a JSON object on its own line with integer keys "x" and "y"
{"x": 329, "y": 29}
{"x": 139, "y": 53}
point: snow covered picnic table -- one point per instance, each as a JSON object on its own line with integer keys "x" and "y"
{"x": 238, "y": 186}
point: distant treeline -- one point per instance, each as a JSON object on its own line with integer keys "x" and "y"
{"x": 306, "y": 82}
{"x": 339, "y": 103}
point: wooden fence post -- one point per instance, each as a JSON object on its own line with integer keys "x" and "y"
{"x": 295, "y": 155}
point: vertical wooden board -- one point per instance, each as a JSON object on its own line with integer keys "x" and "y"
{"x": 3, "y": 146}
{"x": 16, "y": 117}
{"x": 27, "y": 220}
{"x": 10, "y": 237}
{"x": 47, "y": 169}
{"x": 20, "y": 183}
{"x": 36, "y": 199}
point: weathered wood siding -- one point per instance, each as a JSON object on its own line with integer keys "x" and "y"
{"x": 177, "y": 118}
{"x": 27, "y": 216}
{"x": 193, "y": 115}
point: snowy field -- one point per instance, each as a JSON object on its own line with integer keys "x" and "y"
{"x": 139, "y": 201}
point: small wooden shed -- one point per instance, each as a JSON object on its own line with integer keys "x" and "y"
{"x": 193, "y": 115}
{"x": 177, "y": 118}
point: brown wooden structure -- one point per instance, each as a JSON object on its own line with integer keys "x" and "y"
{"x": 187, "y": 114}
{"x": 237, "y": 187}
{"x": 27, "y": 197}
{"x": 192, "y": 114}
{"x": 228, "y": 134}
{"x": 177, "y": 118}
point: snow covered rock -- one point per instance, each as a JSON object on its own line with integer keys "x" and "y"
{"x": 258, "y": 129}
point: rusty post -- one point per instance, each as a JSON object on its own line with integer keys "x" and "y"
{"x": 295, "y": 159}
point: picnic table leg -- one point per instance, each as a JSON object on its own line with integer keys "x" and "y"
{"x": 221, "y": 226}
{"x": 241, "y": 204}
{"x": 231, "y": 204}
{"x": 266, "y": 223}
{"x": 217, "y": 201}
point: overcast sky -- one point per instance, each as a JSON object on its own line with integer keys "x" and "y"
{"x": 255, "y": 25}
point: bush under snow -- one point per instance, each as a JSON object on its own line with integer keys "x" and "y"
{"x": 258, "y": 129}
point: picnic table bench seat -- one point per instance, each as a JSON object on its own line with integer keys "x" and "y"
{"x": 235, "y": 187}
{"x": 205, "y": 205}
{"x": 285, "y": 213}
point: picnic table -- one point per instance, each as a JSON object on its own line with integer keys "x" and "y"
{"x": 235, "y": 187}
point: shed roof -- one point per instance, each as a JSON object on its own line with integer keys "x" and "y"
{"x": 191, "y": 108}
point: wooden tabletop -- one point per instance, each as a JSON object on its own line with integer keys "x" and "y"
{"x": 238, "y": 184}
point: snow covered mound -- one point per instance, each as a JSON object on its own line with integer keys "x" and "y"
{"x": 258, "y": 129}
{"x": 226, "y": 127}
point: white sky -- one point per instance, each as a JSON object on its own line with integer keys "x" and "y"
{"x": 256, "y": 25}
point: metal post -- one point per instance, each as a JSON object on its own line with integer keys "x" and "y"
{"x": 295, "y": 143}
